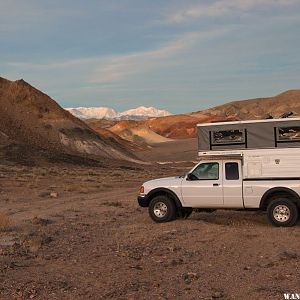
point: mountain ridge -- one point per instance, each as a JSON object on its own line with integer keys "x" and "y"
{"x": 184, "y": 125}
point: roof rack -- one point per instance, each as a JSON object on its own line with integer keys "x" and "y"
{"x": 218, "y": 155}
{"x": 248, "y": 122}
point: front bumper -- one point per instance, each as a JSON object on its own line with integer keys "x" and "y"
{"x": 143, "y": 201}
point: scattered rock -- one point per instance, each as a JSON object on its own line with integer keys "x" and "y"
{"x": 218, "y": 295}
{"x": 34, "y": 241}
{"x": 287, "y": 254}
{"x": 176, "y": 262}
{"x": 173, "y": 249}
{"x": 266, "y": 264}
{"x": 40, "y": 221}
{"x": 137, "y": 267}
{"x": 43, "y": 194}
{"x": 189, "y": 277}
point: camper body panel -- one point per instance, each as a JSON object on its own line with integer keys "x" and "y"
{"x": 263, "y": 170}
{"x": 254, "y": 191}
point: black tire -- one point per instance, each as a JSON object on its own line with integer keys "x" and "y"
{"x": 282, "y": 212}
{"x": 162, "y": 209}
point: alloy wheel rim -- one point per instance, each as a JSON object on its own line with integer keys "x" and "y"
{"x": 160, "y": 209}
{"x": 281, "y": 213}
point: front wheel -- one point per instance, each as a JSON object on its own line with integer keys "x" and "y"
{"x": 162, "y": 209}
{"x": 282, "y": 212}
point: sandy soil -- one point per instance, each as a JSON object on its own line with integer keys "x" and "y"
{"x": 76, "y": 232}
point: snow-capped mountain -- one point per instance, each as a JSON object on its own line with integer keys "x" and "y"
{"x": 146, "y": 112}
{"x": 138, "y": 113}
{"x": 93, "y": 112}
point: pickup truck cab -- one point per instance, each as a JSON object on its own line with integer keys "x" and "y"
{"x": 221, "y": 183}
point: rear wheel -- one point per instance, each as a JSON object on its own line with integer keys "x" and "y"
{"x": 162, "y": 209}
{"x": 282, "y": 212}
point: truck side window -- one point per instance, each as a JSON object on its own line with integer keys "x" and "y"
{"x": 232, "y": 171}
{"x": 207, "y": 171}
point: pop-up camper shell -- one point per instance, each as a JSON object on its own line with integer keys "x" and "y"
{"x": 256, "y": 134}
{"x": 269, "y": 149}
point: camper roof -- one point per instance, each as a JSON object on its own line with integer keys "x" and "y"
{"x": 249, "y": 122}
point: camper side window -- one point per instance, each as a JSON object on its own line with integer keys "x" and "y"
{"x": 228, "y": 137}
{"x": 287, "y": 134}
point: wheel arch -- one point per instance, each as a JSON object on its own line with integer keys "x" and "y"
{"x": 284, "y": 191}
{"x": 166, "y": 192}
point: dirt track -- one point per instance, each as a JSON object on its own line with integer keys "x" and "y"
{"x": 92, "y": 241}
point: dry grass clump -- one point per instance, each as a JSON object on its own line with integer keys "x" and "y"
{"x": 113, "y": 203}
{"x": 5, "y": 222}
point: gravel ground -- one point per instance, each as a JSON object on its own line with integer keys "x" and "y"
{"x": 75, "y": 232}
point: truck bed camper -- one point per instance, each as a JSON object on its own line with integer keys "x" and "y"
{"x": 250, "y": 165}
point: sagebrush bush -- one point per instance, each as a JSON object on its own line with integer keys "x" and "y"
{"x": 5, "y": 222}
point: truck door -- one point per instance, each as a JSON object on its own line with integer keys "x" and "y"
{"x": 232, "y": 184}
{"x": 203, "y": 186}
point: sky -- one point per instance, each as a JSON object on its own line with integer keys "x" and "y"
{"x": 172, "y": 54}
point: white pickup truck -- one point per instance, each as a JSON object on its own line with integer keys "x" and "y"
{"x": 234, "y": 173}
{"x": 220, "y": 184}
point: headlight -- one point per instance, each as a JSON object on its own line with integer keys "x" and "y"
{"x": 142, "y": 190}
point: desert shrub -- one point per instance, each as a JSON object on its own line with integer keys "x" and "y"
{"x": 48, "y": 126}
{"x": 5, "y": 222}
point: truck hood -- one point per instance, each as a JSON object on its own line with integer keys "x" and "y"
{"x": 166, "y": 182}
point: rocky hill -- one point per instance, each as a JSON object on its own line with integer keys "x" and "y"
{"x": 115, "y": 138}
{"x": 30, "y": 117}
{"x": 258, "y": 108}
{"x": 137, "y": 132}
{"x": 184, "y": 126}
{"x": 178, "y": 126}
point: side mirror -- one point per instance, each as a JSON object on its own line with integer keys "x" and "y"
{"x": 190, "y": 176}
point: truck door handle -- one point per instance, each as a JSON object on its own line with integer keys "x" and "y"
{"x": 216, "y": 184}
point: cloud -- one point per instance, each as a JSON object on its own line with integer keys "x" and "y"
{"x": 52, "y": 66}
{"x": 223, "y": 8}
{"x": 121, "y": 67}
{"x": 105, "y": 71}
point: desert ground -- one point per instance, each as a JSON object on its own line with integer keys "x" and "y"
{"x": 176, "y": 151}
{"x": 75, "y": 231}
